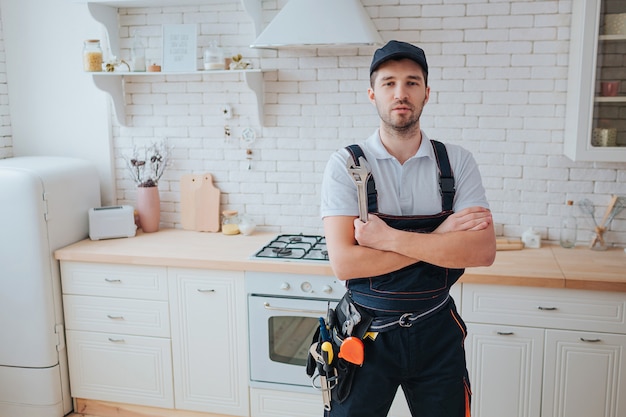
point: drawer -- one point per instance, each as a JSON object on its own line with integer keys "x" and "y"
{"x": 117, "y": 315}
{"x": 545, "y": 307}
{"x": 111, "y": 280}
{"x": 120, "y": 368}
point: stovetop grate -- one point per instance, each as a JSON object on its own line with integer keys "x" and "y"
{"x": 293, "y": 247}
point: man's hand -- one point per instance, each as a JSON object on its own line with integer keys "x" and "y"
{"x": 471, "y": 218}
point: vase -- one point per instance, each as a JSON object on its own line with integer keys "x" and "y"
{"x": 149, "y": 208}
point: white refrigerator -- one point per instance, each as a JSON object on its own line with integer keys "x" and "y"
{"x": 44, "y": 203}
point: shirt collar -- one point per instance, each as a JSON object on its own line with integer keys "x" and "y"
{"x": 378, "y": 150}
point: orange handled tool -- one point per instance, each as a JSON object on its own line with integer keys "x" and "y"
{"x": 352, "y": 350}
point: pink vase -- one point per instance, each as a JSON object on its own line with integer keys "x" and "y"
{"x": 149, "y": 208}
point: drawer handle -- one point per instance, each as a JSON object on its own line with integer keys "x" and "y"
{"x": 582, "y": 339}
{"x": 547, "y": 308}
{"x": 112, "y": 280}
{"x": 116, "y": 340}
{"x": 505, "y": 333}
{"x": 205, "y": 290}
{"x": 115, "y": 317}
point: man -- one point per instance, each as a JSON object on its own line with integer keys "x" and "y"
{"x": 428, "y": 221}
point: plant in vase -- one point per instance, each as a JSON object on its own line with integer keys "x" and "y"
{"x": 147, "y": 170}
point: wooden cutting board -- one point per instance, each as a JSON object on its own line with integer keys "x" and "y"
{"x": 199, "y": 203}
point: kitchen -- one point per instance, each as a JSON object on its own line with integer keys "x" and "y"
{"x": 499, "y": 82}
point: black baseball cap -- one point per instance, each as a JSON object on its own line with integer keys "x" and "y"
{"x": 399, "y": 50}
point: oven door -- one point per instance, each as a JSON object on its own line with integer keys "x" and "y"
{"x": 281, "y": 330}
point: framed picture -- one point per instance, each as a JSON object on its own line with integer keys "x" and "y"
{"x": 179, "y": 48}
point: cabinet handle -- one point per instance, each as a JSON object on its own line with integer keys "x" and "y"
{"x": 115, "y": 317}
{"x": 582, "y": 339}
{"x": 112, "y": 280}
{"x": 116, "y": 340}
{"x": 205, "y": 290}
{"x": 505, "y": 333}
{"x": 267, "y": 306}
{"x": 547, "y": 308}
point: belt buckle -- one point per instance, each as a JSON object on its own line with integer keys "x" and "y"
{"x": 404, "y": 320}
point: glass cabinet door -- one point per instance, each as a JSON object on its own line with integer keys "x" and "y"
{"x": 596, "y": 105}
{"x": 609, "y": 111}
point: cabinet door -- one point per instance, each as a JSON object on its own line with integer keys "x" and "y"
{"x": 505, "y": 368}
{"x": 585, "y": 375}
{"x": 120, "y": 368}
{"x": 209, "y": 343}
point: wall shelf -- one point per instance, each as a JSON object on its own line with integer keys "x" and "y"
{"x": 113, "y": 84}
{"x": 105, "y": 12}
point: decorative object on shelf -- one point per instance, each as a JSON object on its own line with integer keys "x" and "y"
{"x": 179, "y": 47}
{"x": 113, "y": 63}
{"x": 609, "y": 88}
{"x": 92, "y": 56}
{"x": 248, "y": 136}
{"x": 214, "y": 57}
{"x": 615, "y": 24}
{"x": 138, "y": 54}
{"x": 154, "y": 68}
{"x": 604, "y": 137}
{"x": 237, "y": 63}
{"x": 146, "y": 172}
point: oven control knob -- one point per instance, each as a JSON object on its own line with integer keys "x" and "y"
{"x": 327, "y": 289}
{"x": 285, "y": 286}
{"x": 306, "y": 286}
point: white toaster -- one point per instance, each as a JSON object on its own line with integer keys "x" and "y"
{"x": 111, "y": 222}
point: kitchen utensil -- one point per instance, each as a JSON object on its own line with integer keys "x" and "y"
{"x": 360, "y": 174}
{"x": 587, "y": 207}
{"x": 199, "y": 203}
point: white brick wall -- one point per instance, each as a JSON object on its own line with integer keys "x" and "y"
{"x": 6, "y": 140}
{"x": 498, "y": 73}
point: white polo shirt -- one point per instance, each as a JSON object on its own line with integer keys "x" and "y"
{"x": 408, "y": 189}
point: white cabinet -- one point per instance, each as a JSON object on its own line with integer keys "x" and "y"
{"x": 209, "y": 341}
{"x": 505, "y": 367}
{"x": 118, "y": 333}
{"x": 595, "y": 57}
{"x": 585, "y": 374}
{"x": 545, "y": 352}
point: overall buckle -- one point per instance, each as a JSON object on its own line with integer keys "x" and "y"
{"x": 405, "y": 320}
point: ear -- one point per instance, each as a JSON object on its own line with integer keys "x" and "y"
{"x": 371, "y": 95}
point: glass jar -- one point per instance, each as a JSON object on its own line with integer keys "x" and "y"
{"x": 230, "y": 222}
{"x": 138, "y": 54}
{"x": 92, "y": 56}
{"x": 214, "y": 57}
{"x": 246, "y": 224}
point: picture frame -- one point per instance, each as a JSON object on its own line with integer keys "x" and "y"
{"x": 180, "y": 43}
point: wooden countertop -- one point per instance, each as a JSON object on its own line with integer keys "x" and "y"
{"x": 551, "y": 266}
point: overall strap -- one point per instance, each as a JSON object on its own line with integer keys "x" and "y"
{"x": 372, "y": 195}
{"x": 446, "y": 178}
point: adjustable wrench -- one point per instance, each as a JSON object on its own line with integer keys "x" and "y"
{"x": 325, "y": 384}
{"x": 360, "y": 174}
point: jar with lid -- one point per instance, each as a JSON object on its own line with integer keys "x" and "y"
{"x": 92, "y": 56}
{"x": 214, "y": 57}
{"x": 230, "y": 222}
{"x": 138, "y": 54}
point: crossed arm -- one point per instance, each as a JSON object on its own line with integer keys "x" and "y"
{"x": 358, "y": 249}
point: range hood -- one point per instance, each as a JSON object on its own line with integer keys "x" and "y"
{"x": 316, "y": 23}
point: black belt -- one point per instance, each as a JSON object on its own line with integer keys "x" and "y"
{"x": 385, "y": 323}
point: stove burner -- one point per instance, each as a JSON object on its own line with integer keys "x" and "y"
{"x": 282, "y": 251}
{"x": 295, "y": 247}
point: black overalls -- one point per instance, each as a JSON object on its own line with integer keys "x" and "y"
{"x": 419, "y": 345}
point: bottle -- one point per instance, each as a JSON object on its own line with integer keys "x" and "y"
{"x": 568, "y": 227}
{"x": 92, "y": 56}
{"x": 230, "y": 222}
{"x": 138, "y": 54}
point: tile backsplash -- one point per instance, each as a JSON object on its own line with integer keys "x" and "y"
{"x": 498, "y": 77}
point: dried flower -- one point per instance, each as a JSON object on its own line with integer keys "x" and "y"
{"x": 147, "y": 171}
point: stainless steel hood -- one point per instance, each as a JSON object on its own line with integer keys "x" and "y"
{"x": 317, "y": 23}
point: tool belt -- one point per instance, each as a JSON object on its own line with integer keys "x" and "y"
{"x": 337, "y": 350}
{"x": 386, "y": 323}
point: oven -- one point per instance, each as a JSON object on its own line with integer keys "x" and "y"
{"x": 283, "y": 314}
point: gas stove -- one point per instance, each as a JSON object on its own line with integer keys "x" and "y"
{"x": 294, "y": 247}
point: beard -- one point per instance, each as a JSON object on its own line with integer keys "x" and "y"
{"x": 401, "y": 123}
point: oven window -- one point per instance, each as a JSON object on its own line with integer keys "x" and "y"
{"x": 290, "y": 338}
